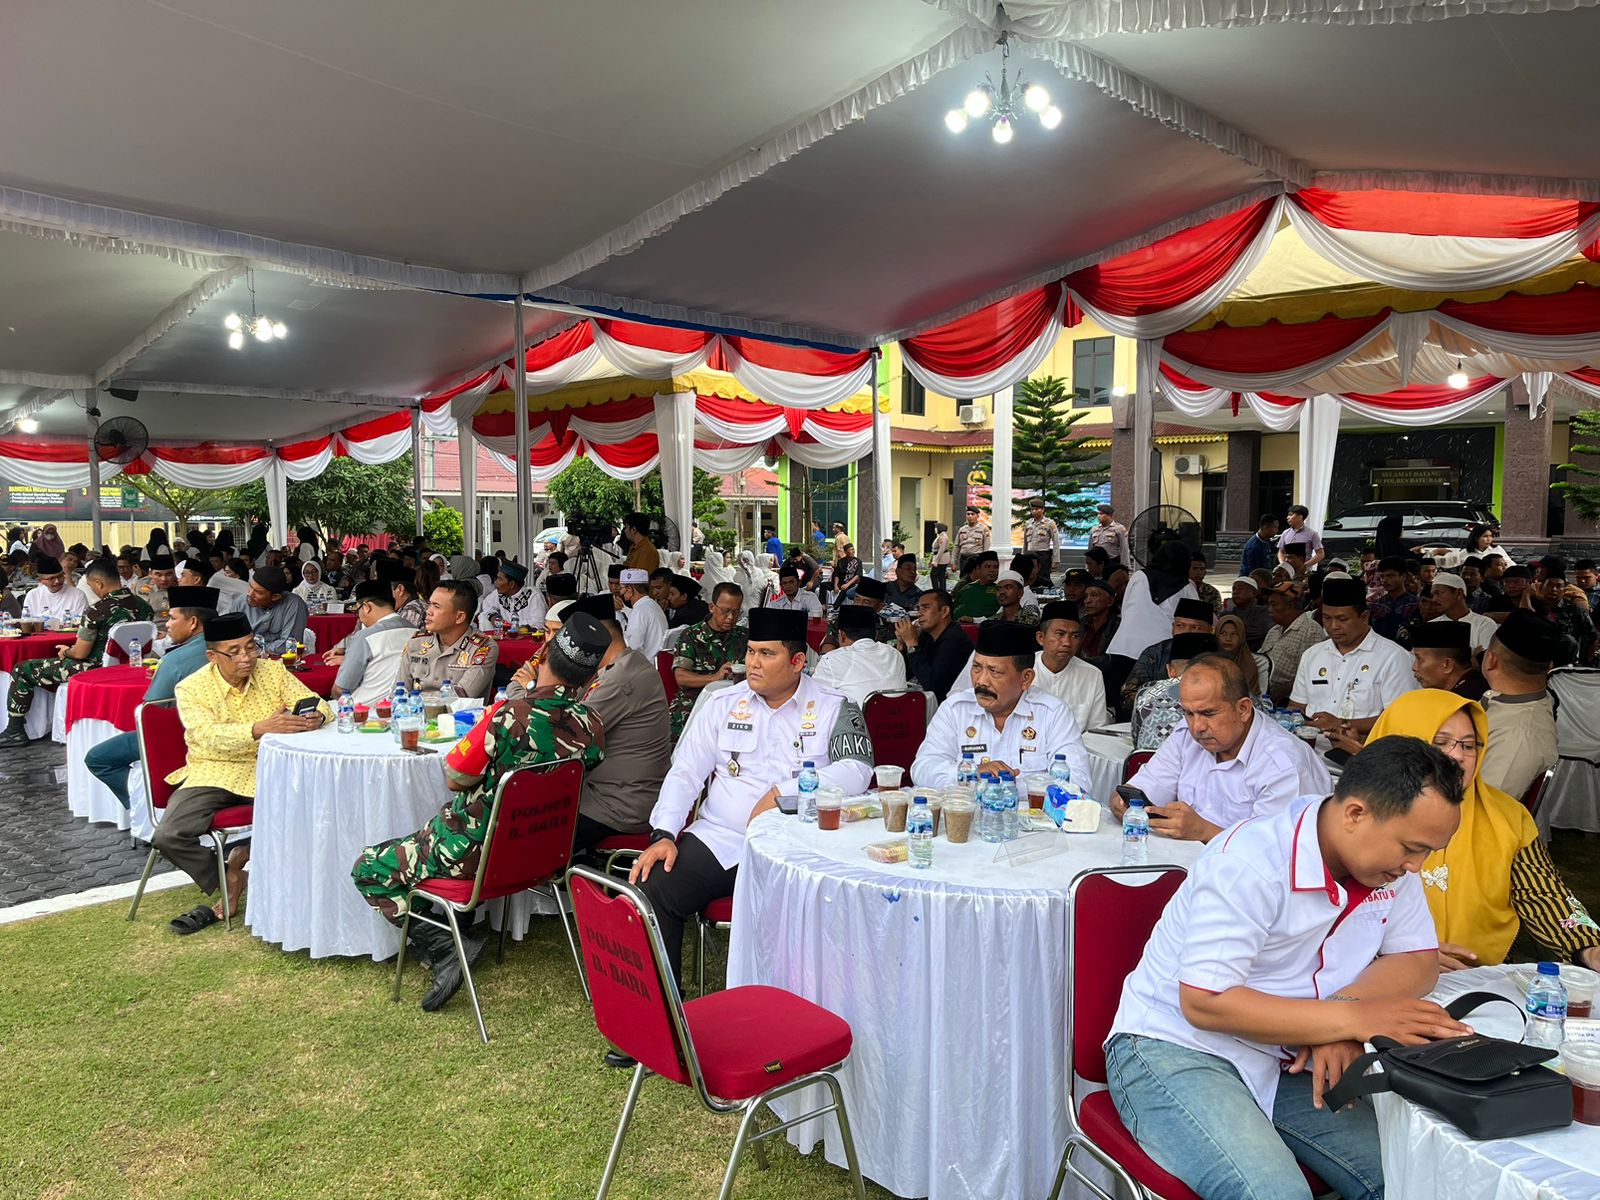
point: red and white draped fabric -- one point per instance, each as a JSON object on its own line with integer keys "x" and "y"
{"x": 624, "y": 436}
{"x": 1431, "y": 242}
{"x": 32, "y": 462}
{"x": 793, "y": 376}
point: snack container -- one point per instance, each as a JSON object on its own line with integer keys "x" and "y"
{"x": 860, "y": 810}
{"x": 894, "y": 851}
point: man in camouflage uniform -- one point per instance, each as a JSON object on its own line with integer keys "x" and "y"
{"x": 449, "y": 647}
{"x": 708, "y": 652}
{"x": 548, "y": 724}
{"x": 113, "y": 605}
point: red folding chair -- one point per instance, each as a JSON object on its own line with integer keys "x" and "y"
{"x": 716, "y": 915}
{"x": 526, "y": 845}
{"x": 621, "y": 847}
{"x": 1131, "y": 764}
{"x": 669, "y": 680}
{"x": 1100, "y": 955}
{"x": 162, "y": 750}
{"x": 1531, "y": 797}
{"x": 739, "y": 1049}
{"x": 897, "y": 722}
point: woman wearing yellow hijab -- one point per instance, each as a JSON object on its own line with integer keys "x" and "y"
{"x": 1495, "y": 876}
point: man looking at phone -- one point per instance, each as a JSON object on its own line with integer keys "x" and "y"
{"x": 1295, "y": 939}
{"x": 1225, "y": 763}
{"x": 1004, "y": 722}
{"x": 227, "y": 706}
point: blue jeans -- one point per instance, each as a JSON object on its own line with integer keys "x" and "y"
{"x": 1191, "y": 1112}
{"x": 110, "y": 761}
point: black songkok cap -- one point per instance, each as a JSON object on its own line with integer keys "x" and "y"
{"x": 777, "y": 625}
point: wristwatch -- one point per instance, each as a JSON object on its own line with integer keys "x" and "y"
{"x": 659, "y": 835}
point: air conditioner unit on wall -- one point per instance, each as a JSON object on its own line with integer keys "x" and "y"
{"x": 972, "y": 414}
{"x": 1189, "y": 464}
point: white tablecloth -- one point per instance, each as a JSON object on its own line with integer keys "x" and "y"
{"x": 40, "y": 713}
{"x": 1106, "y": 756}
{"x": 954, "y": 982}
{"x": 1427, "y": 1158}
{"x": 87, "y": 797}
{"x": 321, "y": 798}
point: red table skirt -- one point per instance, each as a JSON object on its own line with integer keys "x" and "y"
{"x": 331, "y": 629}
{"x": 516, "y": 651}
{"x": 815, "y": 632}
{"x": 106, "y": 694}
{"x": 35, "y": 645}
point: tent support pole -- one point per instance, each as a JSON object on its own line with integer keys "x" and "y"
{"x": 1000, "y": 483}
{"x": 94, "y": 473}
{"x": 519, "y": 384}
{"x": 416, "y": 467}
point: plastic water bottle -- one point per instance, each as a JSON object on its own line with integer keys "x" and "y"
{"x": 347, "y": 713}
{"x": 500, "y": 696}
{"x": 967, "y": 771}
{"x": 398, "y": 706}
{"x": 992, "y": 815}
{"x": 1013, "y": 819}
{"x": 135, "y": 652}
{"x": 919, "y": 834}
{"x": 447, "y": 694}
{"x": 1547, "y": 1008}
{"x": 809, "y": 781}
{"x": 1135, "y": 835}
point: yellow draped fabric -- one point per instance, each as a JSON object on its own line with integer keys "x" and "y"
{"x": 1468, "y": 883}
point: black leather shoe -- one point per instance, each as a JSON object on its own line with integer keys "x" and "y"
{"x": 448, "y": 976}
{"x": 616, "y": 1058}
{"x": 15, "y": 734}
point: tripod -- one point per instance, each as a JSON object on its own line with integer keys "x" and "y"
{"x": 586, "y": 566}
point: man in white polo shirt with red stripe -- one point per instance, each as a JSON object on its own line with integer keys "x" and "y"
{"x": 1295, "y": 939}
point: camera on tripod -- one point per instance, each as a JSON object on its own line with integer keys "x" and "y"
{"x": 592, "y": 534}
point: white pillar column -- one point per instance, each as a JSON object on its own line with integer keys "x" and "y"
{"x": 277, "y": 485}
{"x": 675, "y": 436}
{"x": 1319, "y": 437}
{"x": 519, "y": 385}
{"x": 1000, "y": 482}
{"x": 882, "y": 474}
{"x": 1144, "y": 427}
{"x": 467, "y": 450}
{"x": 94, "y": 472}
{"x": 416, "y": 467}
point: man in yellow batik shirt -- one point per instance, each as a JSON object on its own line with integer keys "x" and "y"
{"x": 226, "y": 706}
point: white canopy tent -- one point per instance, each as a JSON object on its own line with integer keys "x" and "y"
{"x": 748, "y": 166}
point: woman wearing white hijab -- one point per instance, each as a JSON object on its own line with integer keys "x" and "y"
{"x": 753, "y": 580}
{"x": 714, "y": 571}
{"x": 312, "y": 590}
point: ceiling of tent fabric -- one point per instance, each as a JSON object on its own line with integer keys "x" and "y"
{"x": 768, "y": 166}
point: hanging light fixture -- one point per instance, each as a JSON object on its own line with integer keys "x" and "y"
{"x": 28, "y": 425}
{"x": 1458, "y": 378}
{"x": 1005, "y": 105}
{"x": 262, "y": 328}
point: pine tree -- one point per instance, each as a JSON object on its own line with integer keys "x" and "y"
{"x": 1583, "y": 497}
{"x": 1047, "y": 460}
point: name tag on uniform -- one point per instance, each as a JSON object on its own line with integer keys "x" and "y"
{"x": 1319, "y": 683}
{"x": 741, "y": 726}
{"x": 975, "y": 748}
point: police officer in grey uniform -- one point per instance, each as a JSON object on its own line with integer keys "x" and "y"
{"x": 448, "y": 647}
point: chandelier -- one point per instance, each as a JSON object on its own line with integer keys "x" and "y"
{"x": 262, "y": 328}
{"x": 1005, "y": 105}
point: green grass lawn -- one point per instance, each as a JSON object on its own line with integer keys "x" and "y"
{"x": 140, "y": 1064}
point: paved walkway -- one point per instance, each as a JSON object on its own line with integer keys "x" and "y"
{"x": 44, "y": 850}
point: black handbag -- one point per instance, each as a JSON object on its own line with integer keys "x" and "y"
{"x": 1487, "y": 1087}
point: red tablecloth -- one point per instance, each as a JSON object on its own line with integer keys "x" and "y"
{"x": 815, "y": 632}
{"x": 106, "y": 694}
{"x": 971, "y": 630}
{"x": 331, "y": 629}
{"x": 516, "y": 651}
{"x": 317, "y": 675}
{"x": 35, "y": 645}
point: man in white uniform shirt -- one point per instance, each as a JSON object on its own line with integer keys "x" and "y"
{"x": 791, "y": 597}
{"x": 54, "y": 599}
{"x": 646, "y": 630}
{"x": 750, "y": 741}
{"x": 1255, "y": 992}
{"x": 1004, "y": 722}
{"x": 862, "y": 664}
{"x": 1450, "y": 590}
{"x": 1226, "y": 762}
{"x": 1058, "y": 670}
{"x": 1354, "y": 664}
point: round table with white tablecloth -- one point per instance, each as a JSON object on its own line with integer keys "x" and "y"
{"x": 321, "y": 798}
{"x": 1427, "y": 1158}
{"x": 953, "y": 980}
{"x": 96, "y": 706}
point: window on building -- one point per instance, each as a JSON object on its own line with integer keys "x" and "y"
{"x": 1093, "y": 363}
{"x": 830, "y": 498}
{"x": 913, "y": 396}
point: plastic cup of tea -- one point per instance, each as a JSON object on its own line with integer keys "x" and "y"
{"x": 829, "y": 801}
{"x": 1582, "y": 1063}
{"x": 958, "y": 817}
{"x": 895, "y": 803}
{"x": 889, "y": 776}
{"x": 1038, "y": 786}
{"x": 1581, "y": 984}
